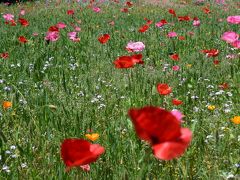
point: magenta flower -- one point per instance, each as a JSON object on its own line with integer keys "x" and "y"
{"x": 177, "y": 114}
{"x": 233, "y": 19}
{"x": 236, "y": 44}
{"x": 96, "y": 9}
{"x": 230, "y": 37}
{"x": 52, "y": 36}
{"x": 196, "y": 23}
{"x": 22, "y": 12}
{"x": 172, "y": 34}
{"x": 8, "y": 17}
{"x": 61, "y": 25}
{"x": 175, "y": 68}
{"x": 135, "y": 46}
{"x": 78, "y": 29}
{"x": 73, "y": 36}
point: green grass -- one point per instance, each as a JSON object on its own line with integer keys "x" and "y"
{"x": 37, "y": 129}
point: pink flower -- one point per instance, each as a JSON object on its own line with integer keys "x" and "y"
{"x": 96, "y": 9}
{"x": 175, "y": 68}
{"x": 73, "y": 36}
{"x": 161, "y": 23}
{"x": 61, "y": 25}
{"x": 52, "y": 36}
{"x": 8, "y": 17}
{"x": 78, "y": 29}
{"x": 22, "y": 12}
{"x": 230, "y": 36}
{"x": 177, "y": 114}
{"x": 135, "y": 46}
{"x": 85, "y": 167}
{"x": 233, "y": 19}
{"x": 220, "y": 1}
{"x": 196, "y": 23}
{"x": 236, "y": 44}
{"x": 172, "y": 34}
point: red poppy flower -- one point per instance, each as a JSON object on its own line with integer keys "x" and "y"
{"x": 174, "y": 57}
{"x": 53, "y": 28}
{"x": 162, "y": 130}
{"x": 144, "y": 28}
{"x": 206, "y": 10}
{"x": 104, "y": 38}
{"x": 23, "y": 22}
{"x": 184, "y": 18}
{"x": 4, "y": 55}
{"x": 12, "y": 23}
{"x": 128, "y": 61}
{"x": 211, "y": 52}
{"x": 163, "y": 21}
{"x": 195, "y": 19}
{"x": 164, "y": 89}
{"x": 78, "y": 152}
{"x": 125, "y": 10}
{"x": 224, "y": 86}
{"x": 171, "y": 11}
{"x": 176, "y": 102}
{"x": 181, "y": 38}
{"x": 129, "y": 3}
{"x": 22, "y": 39}
{"x": 216, "y": 62}
{"x": 70, "y": 12}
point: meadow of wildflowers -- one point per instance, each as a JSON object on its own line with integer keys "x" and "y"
{"x": 120, "y": 90}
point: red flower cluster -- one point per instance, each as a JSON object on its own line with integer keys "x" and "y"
{"x": 162, "y": 130}
{"x": 23, "y": 22}
{"x": 104, "y": 38}
{"x": 128, "y": 61}
{"x": 22, "y": 39}
{"x": 211, "y": 52}
{"x": 164, "y": 89}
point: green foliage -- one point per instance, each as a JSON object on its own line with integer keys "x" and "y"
{"x": 61, "y": 89}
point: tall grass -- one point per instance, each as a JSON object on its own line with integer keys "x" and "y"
{"x": 63, "y": 89}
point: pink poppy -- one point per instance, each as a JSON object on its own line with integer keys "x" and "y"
{"x": 233, "y": 19}
{"x": 177, "y": 114}
{"x": 22, "y": 12}
{"x": 196, "y": 23}
{"x": 230, "y": 36}
{"x": 236, "y": 44}
{"x": 161, "y": 23}
{"x": 73, "y": 36}
{"x": 61, "y": 25}
{"x": 175, "y": 68}
{"x": 96, "y": 9}
{"x": 135, "y": 46}
{"x": 52, "y": 36}
{"x": 78, "y": 29}
{"x": 172, "y": 34}
{"x": 8, "y": 17}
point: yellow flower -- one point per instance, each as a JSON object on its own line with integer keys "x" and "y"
{"x": 236, "y": 119}
{"x": 211, "y": 107}
{"x": 6, "y": 104}
{"x": 92, "y": 137}
{"x": 189, "y": 65}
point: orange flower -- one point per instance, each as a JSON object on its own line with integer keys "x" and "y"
{"x": 92, "y": 137}
{"x": 236, "y": 119}
{"x": 6, "y": 104}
